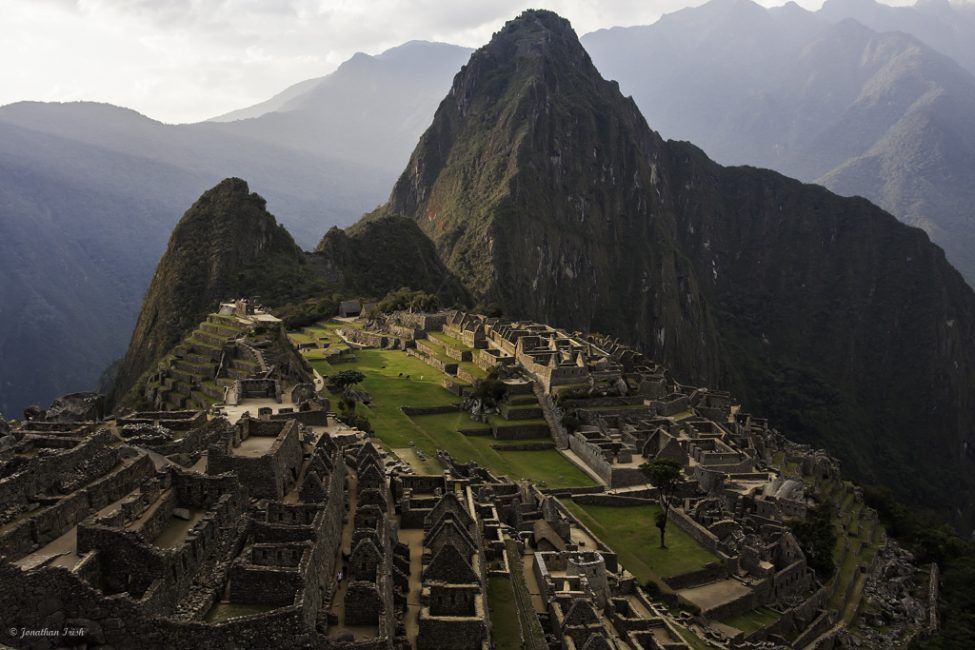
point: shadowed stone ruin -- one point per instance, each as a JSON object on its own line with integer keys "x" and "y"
{"x": 262, "y": 520}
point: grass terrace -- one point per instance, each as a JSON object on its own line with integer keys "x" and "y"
{"x": 444, "y": 339}
{"x": 756, "y": 619}
{"x": 858, "y": 539}
{"x": 631, "y": 533}
{"x": 506, "y": 632}
{"x": 394, "y": 379}
{"x": 438, "y": 352}
{"x": 472, "y": 368}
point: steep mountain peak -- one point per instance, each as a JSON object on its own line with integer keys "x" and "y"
{"x": 535, "y": 34}
{"x": 237, "y": 221}
{"x": 530, "y": 93}
{"x": 226, "y": 245}
{"x": 533, "y": 166}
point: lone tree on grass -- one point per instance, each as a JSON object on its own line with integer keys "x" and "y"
{"x": 664, "y": 475}
{"x": 342, "y": 381}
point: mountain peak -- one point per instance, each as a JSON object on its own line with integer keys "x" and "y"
{"x": 534, "y": 33}
{"x": 226, "y": 245}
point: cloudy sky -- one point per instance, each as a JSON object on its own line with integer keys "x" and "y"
{"x": 187, "y": 60}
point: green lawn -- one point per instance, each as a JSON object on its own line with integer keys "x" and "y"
{"x": 395, "y": 379}
{"x": 472, "y": 368}
{"x": 630, "y": 531}
{"x": 438, "y": 351}
{"x": 442, "y": 338}
{"x": 301, "y": 337}
{"x": 506, "y": 631}
{"x": 547, "y": 467}
{"x": 691, "y": 639}
{"x": 753, "y": 620}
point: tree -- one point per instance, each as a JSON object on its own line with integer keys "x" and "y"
{"x": 663, "y": 474}
{"x": 817, "y": 537}
{"x": 340, "y": 382}
{"x": 491, "y": 390}
{"x": 405, "y": 299}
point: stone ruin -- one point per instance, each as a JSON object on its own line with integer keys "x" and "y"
{"x": 179, "y": 528}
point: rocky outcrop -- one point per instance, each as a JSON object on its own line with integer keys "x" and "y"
{"x": 376, "y": 257}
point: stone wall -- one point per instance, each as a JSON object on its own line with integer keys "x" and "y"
{"x": 429, "y": 410}
{"x": 591, "y": 456}
{"x": 172, "y": 420}
{"x": 520, "y": 431}
{"x": 270, "y": 475}
{"x": 61, "y": 599}
{"x": 525, "y": 446}
{"x": 45, "y": 473}
{"x": 451, "y": 632}
{"x": 709, "y": 573}
{"x": 442, "y": 366}
{"x": 744, "y": 603}
{"x": 130, "y": 563}
{"x": 616, "y": 500}
{"x": 311, "y": 418}
{"x": 52, "y": 522}
{"x": 700, "y": 534}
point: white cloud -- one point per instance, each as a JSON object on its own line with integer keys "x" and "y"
{"x": 186, "y": 60}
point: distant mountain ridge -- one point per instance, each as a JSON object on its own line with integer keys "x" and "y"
{"x": 880, "y": 115}
{"x": 369, "y": 111}
{"x": 948, "y": 27}
{"x": 544, "y": 190}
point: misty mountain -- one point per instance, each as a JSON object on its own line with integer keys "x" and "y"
{"x": 880, "y": 115}
{"x": 89, "y": 193}
{"x": 369, "y": 111}
{"x": 948, "y": 27}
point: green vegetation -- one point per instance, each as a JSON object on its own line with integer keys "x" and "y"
{"x": 226, "y": 245}
{"x": 837, "y": 540}
{"x": 394, "y": 379}
{"x": 505, "y": 633}
{"x": 548, "y": 468}
{"x": 753, "y": 620}
{"x": 306, "y": 312}
{"x": 817, "y": 537}
{"x": 377, "y": 256}
{"x": 663, "y": 474}
{"x": 343, "y": 380}
{"x": 403, "y": 298}
{"x": 628, "y": 531}
{"x": 491, "y": 390}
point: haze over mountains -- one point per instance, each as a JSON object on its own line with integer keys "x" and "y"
{"x": 820, "y": 97}
{"x": 89, "y": 193}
